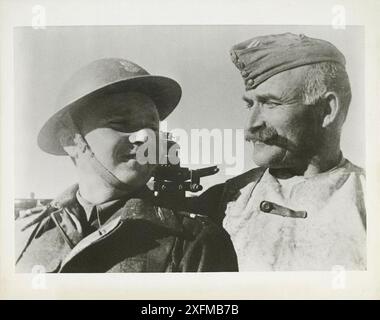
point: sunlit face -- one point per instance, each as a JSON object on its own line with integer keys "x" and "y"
{"x": 285, "y": 132}
{"x": 115, "y": 129}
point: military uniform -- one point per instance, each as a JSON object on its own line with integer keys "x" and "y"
{"x": 128, "y": 235}
{"x": 332, "y": 233}
{"x": 301, "y": 222}
{"x": 131, "y": 234}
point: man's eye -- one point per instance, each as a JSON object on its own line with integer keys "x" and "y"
{"x": 272, "y": 104}
{"x": 249, "y": 104}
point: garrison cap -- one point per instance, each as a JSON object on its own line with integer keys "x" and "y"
{"x": 262, "y": 57}
{"x": 106, "y": 76}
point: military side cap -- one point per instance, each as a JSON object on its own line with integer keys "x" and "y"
{"x": 262, "y": 57}
{"x": 107, "y": 76}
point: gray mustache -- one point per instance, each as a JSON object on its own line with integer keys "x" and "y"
{"x": 262, "y": 135}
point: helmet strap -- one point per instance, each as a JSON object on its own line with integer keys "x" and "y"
{"x": 68, "y": 122}
{"x": 98, "y": 167}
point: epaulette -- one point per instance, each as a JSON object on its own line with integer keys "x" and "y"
{"x": 43, "y": 221}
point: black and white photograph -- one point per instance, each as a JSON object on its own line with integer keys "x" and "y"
{"x": 280, "y": 98}
{"x": 236, "y": 156}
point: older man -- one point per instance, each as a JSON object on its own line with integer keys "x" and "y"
{"x": 109, "y": 222}
{"x": 303, "y": 207}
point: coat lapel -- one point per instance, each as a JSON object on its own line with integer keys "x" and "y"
{"x": 138, "y": 236}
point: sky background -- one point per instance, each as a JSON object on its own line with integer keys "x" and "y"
{"x": 196, "y": 56}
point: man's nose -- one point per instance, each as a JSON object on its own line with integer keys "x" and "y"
{"x": 140, "y": 137}
{"x": 255, "y": 120}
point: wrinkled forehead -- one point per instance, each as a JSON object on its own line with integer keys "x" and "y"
{"x": 286, "y": 84}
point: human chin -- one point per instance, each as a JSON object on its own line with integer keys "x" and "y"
{"x": 269, "y": 156}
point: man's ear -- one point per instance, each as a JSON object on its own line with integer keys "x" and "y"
{"x": 331, "y": 110}
{"x": 70, "y": 146}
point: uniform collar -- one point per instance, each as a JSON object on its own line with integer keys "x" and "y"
{"x": 90, "y": 208}
{"x": 139, "y": 206}
{"x": 295, "y": 179}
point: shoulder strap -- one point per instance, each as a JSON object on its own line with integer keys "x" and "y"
{"x": 41, "y": 223}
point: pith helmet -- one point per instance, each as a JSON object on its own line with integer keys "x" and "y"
{"x": 105, "y": 76}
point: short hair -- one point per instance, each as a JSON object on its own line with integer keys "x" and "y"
{"x": 323, "y": 77}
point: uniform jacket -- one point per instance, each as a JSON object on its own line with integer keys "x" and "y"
{"x": 331, "y": 233}
{"x": 136, "y": 236}
{"x": 213, "y": 201}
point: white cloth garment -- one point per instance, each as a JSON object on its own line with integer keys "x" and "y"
{"x": 333, "y": 233}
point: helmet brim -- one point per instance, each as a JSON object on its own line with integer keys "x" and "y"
{"x": 164, "y": 92}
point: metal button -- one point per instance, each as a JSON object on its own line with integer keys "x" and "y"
{"x": 250, "y": 83}
{"x": 239, "y": 64}
{"x": 244, "y": 73}
{"x": 266, "y": 206}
